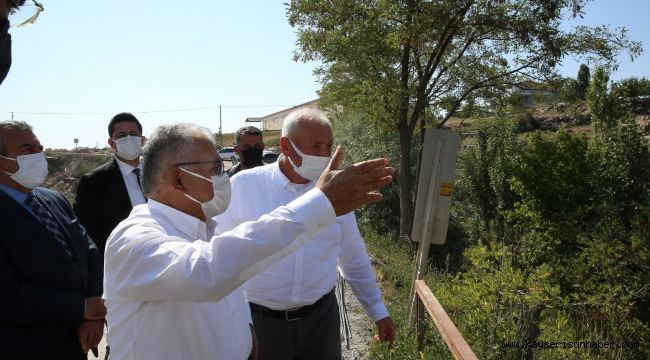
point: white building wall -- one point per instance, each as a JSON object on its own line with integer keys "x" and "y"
{"x": 274, "y": 121}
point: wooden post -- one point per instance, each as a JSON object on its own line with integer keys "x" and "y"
{"x": 420, "y": 324}
{"x": 453, "y": 338}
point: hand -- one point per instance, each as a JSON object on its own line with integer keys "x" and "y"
{"x": 386, "y": 331}
{"x": 95, "y": 309}
{"x": 90, "y": 333}
{"x": 254, "y": 350}
{"x": 356, "y": 185}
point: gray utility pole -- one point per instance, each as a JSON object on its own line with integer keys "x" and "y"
{"x": 220, "y": 132}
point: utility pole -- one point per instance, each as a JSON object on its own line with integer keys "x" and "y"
{"x": 220, "y": 132}
{"x": 12, "y": 115}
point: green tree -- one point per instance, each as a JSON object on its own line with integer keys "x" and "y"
{"x": 362, "y": 142}
{"x": 631, "y": 87}
{"x": 573, "y": 261}
{"x": 483, "y": 192}
{"x": 606, "y": 109}
{"x": 552, "y": 182}
{"x": 567, "y": 89}
{"x": 583, "y": 82}
{"x": 397, "y": 61}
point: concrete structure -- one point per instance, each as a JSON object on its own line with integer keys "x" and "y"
{"x": 274, "y": 121}
{"x": 531, "y": 92}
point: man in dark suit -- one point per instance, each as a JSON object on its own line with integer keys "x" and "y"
{"x": 106, "y": 195}
{"x": 50, "y": 270}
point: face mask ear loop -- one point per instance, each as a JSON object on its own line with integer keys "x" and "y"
{"x": 8, "y": 158}
{"x": 302, "y": 156}
{"x": 300, "y": 153}
{"x": 200, "y": 177}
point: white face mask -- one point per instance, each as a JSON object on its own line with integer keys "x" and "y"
{"x": 312, "y": 166}
{"x": 129, "y": 147}
{"x": 220, "y": 198}
{"x": 32, "y": 170}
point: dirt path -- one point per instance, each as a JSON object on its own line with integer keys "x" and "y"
{"x": 361, "y": 328}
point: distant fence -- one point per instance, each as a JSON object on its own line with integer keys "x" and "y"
{"x": 453, "y": 338}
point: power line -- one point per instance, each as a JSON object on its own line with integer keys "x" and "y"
{"x": 213, "y": 107}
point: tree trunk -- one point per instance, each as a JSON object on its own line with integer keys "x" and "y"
{"x": 405, "y": 181}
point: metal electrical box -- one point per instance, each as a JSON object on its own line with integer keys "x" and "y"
{"x": 435, "y": 185}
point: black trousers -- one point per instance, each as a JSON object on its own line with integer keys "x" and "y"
{"x": 313, "y": 337}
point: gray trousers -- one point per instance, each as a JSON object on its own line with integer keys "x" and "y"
{"x": 313, "y": 337}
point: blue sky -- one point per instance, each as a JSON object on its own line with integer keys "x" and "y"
{"x": 87, "y": 60}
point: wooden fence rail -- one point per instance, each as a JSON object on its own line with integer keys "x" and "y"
{"x": 453, "y": 338}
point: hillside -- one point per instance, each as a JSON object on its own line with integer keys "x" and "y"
{"x": 66, "y": 167}
{"x": 553, "y": 117}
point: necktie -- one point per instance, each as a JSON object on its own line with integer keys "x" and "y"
{"x": 137, "y": 171}
{"x": 48, "y": 220}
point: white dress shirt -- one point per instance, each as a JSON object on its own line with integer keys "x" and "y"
{"x": 309, "y": 273}
{"x": 170, "y": 294}
{"x": 131, "y": 182}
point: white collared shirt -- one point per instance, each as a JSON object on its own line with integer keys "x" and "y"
{"x": 170, "y": 294}
{"x": 131, "y": 182}
{"x": 309, "y": 273}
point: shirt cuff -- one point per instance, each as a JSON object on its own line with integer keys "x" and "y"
{"x": 314, "y": 211}
{"x": 377, "y": 311}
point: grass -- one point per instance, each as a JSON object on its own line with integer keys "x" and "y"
{"x": 271, "y": 138}
{"x": 395, "y": 272}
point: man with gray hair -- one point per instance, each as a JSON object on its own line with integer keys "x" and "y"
{"x": 50, "y": 269}
{"x": 171, "y": 284}
{"x": 293, "y": 305}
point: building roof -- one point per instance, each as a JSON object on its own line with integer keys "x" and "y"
{"x": 291, "y": 108}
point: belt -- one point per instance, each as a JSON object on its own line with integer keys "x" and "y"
{"x": 290, "y": 314}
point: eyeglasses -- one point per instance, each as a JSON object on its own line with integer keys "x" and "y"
{"x": 217, "y": 164}
{"x": 38, "y": 8}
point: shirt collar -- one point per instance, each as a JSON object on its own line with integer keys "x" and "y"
{"x": 192, "y": 227}
{"x": 279, "y": 177}
{"x": 17, "y": 195}
{"x": 125, "y": 168}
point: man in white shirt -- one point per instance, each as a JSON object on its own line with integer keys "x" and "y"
{"x": 106, "y": 194}
{"x": 292, "y": 302}
{"x": 171, "y": 287}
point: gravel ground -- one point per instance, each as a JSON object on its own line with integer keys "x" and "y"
{"x": 361, "y": 327}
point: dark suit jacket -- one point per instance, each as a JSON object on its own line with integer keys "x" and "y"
{"x": 42, "y": 290}
{"x": 102, "y": 201}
